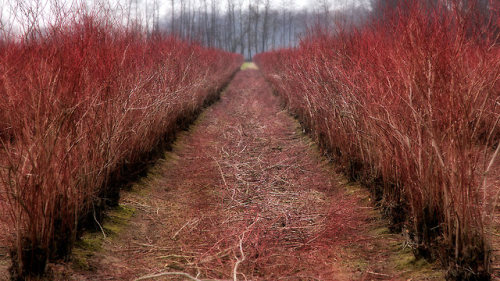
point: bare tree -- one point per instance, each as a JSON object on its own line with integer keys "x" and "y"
{"x": 265, "y": 25}
{"x": 245, "y": 26}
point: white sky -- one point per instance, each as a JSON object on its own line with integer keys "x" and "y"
{"x": 311, "y": 4}
{"x": 300, "y": 4}
{"x": 294, "y": 4}
{"x": 8, "y": 18}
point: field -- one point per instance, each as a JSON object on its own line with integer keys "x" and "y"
{"x": 244, "y": 195}
{"x": 130, "y": 152}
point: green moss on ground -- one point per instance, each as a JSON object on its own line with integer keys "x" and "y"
{"x": 381, "y": 231}
{"x": 414, "y": 268}
{"x": 117, "y": 219}
{"x": 91, "y": 242}
{"x": 4, "y": 265}
{"x": 248, "y": 65}
{"x": 84, "y": 249}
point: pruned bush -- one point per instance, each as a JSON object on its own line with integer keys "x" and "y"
{"x": 411, "y": 106}
{"x": 80, "y": 101}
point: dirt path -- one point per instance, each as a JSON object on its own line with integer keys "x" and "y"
{"x": 243, "y": 196}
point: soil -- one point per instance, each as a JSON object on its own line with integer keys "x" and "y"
{"x": 5, "y": 230}
{"x": 244, "y": 195}
{"x": 493, "y": 232}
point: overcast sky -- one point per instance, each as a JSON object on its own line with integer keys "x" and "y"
{"x": 335, "y": 4}
{"x": 309, "y": 4}
{"x": 6, "y": 16}
{"x": 291, "y": 4}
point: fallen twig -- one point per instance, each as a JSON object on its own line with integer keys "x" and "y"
{"x": 152, "y": 276}
{"x": 239, "y": 260}
{"x": 220, "y": 170}
{"x": 190, "y": 222}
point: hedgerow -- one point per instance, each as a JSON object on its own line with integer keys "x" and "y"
{"x": 410, "y": 105}
{"x": 81, "y": 103}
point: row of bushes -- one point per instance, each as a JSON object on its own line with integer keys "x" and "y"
{"x": 410, "y": 106}
{"x": 81, "y": 103}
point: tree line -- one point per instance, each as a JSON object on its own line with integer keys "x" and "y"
{"x": 255, "y": 26}
{"x": 251, "y": 27}
{"x": 240, "y": 26}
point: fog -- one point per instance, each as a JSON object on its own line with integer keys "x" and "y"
{"x": 244, "y": 26}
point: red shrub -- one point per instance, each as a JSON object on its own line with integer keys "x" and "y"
{"x": 78, "y": 103}
{"x": 411, "y": 103}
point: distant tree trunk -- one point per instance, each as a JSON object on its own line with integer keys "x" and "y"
{"x": 290, "y": 26}
{"x": 129, "y": 9}
{"x": 245, "y": 26}
{"x": 283, "y": 24}
{"x": 156, "y": 21}
{"x": 275, "y": 18}
{"x": 265, "y": 26}
{"x": 172, "y": 16}
{"x": 249, "y": 30}
{"x": 204, "y": 28}
{"x": 242, "y": 28}
{"x": 256, "y": 18}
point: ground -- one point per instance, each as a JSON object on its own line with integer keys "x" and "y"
{"x": 244, "y": 195}
{"x": 5, "y": 230}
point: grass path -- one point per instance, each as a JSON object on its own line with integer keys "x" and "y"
{"x": 244, "y": 195}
